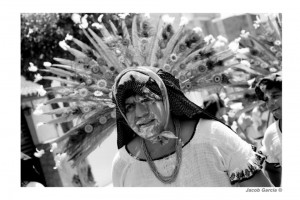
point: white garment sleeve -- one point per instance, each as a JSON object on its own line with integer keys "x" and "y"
{"x": 119, "y": 167}
{"x": 239, "y": 158}
{"x": 271, "y": 146}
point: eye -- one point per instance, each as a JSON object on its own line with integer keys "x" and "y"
{"x": 129, "y": 107}
{"x": 276, "y": 96}
{"x": 145, "y": 100}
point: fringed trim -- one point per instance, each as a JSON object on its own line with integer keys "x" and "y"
{"x": 254, "y": 165}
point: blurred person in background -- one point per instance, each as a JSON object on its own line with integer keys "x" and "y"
{"x": 214, "y": 105}
{"x": 252, "y": 122}
{"x": 269, "y": 89}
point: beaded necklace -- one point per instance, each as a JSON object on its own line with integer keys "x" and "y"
{"x": 172, "y": 177}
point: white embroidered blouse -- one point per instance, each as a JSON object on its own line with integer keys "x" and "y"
{"x": 214, "y": 157}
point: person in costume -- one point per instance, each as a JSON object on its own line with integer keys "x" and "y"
{"x": 135, "y": 78}
{"x": 269, "y": 89}
{"x": 166, "y": 140}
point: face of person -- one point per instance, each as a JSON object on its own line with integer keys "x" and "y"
{"x": 145, "y": 115}
{"x": 274, "y": 102}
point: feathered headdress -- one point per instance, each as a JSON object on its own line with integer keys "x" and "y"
{"x": 87, "y": 80}
{"x": 261, "y": 55}
{"x": 264, "y": 49}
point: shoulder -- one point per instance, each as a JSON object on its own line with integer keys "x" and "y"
{"x": 209, "y": 125}
{"x": 119, "y": 167}
{"x": 120, "y": 160}
{"x": 271, "y": 128}
{"x": 213, "y": 128}
{"x": 271, "y": 144}
{"x": 270, "y": 133}
{"x": 213, "y": 131}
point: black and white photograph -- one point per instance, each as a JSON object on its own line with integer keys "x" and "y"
{"x": 140, "y": 96}
{"x": 151, "y": 99}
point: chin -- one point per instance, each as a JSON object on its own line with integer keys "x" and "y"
{"x": 278, "y": 116}
{"x": 148, "y": 133}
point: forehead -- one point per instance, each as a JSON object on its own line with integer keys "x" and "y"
{"x": 134, "y": 98}
{"x": 133, "y": 76}
{"x": 269, "y": 87}
{"x": 272, "y": 92}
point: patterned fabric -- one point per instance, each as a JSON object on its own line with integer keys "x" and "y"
{"x": 180, "y": 106}
{"x": 254, "y": 165}
{"x": 214, "y": 157}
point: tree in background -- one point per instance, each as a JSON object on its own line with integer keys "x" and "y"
{"x": 40, "y": 37}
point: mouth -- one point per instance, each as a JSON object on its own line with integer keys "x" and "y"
{"x": 146, "y": 123}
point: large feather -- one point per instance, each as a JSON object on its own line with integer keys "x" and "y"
{"x": 261, "y": 47}
{"x": 62, "y": 99}
{"x": 99, "y": 50}
{"x": 136, "y": 41}
{"x": 90, "y": 143}
{"x": 63, "y": 119}
{"x": 60, "y": 72}
{"x": 248, "y": 69}
{"x": 60, "y": 80}
{"x": 92, "y": 119}
{"x": 105, "y": 51}
{"x": 104, "y": 32}
{"x": 113, "y": 28}
{"x": 82, "y": 45}
{"x": 213, "y": 72}
{"x": 64, "y": 61}
{"x": 78, "y": 54}
{"x": 171, "y": 44}
{"x": 275, "y": 29}
{"x": 125, "y": 32}
{"x": 153, "y": 46}
{"x": 59, "y": 111}
{"x": 60, "y": 90}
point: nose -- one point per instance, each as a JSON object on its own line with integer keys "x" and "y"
{"x": 141, "y": 110}
{"x": 270, "y": 104}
